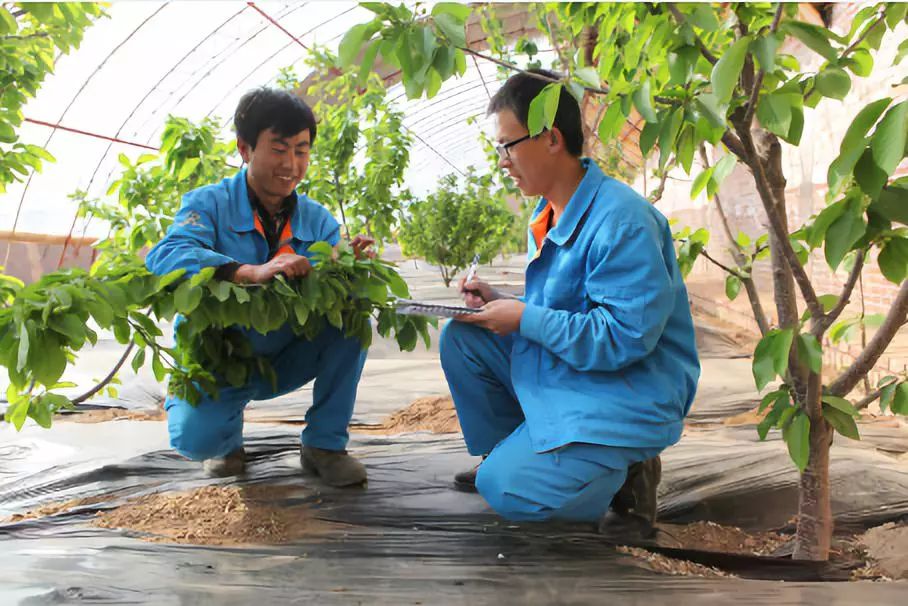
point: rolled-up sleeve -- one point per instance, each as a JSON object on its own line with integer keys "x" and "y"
{"x": 189, "y": 243}
{"x": 630, "y": 287}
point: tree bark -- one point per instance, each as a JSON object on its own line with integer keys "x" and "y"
{"x": 814, "y": 530}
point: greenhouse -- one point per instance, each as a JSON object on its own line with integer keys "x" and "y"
{"x": 442, "y": 303}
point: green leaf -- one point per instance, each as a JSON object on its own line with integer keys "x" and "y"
{"x": 612, "y": 122}
{"x": 900, "y": 400}
{"x": 543, "y": 107}
{"x": 732, "y": 287}
{"x": 321, "y": 250}
{"x": 861, "y": 62}
{"x": 893, "y": 260}
{"x": 774, "y": 113}
{"x": 764, "y": 49}
{"x": 809, "y": 349}
{"x": 138, "y": 360}
{"x": 841, "y": 422}
{"x": 892, "y": 203}
{"x": 460, "y": 11}
{"x": 725, "y": 72}
{"x": 301, "y": 312}
{"x": 433, "y": 82}
{"x": 771, "y": 356}
{"x": 643, "y": 102}
{"x": 889, "y": 138}
{"x": 187, "y": 298}
{"x": 648, "y": 137}
{"x": 188, "y": 168}
{"x": 902, "y": 53}
{"x": 844, "y": 232}
{"x": 48, "y": 367}
{"x": 869, "y": 176}
{"x": 168, "y": 279}
{"x": 833, "y": 82}
{"x": 18, "y": 412}
{"x": 863, "y": 121}
{"x": 69, "y": 326}
{"x": 814, "y": 37}
{"x": 841, "y": 404}
{"x": 351, "y": 43}
{"x": 407, "y": 336}
{"x": 700, "y": 182}
{"x": 453, "y": 28}
{"x": 158, "y": 368}
{"x": 797, "y": 436}
{"x": 22, "y": 359}
{"x": 714, "y": 115}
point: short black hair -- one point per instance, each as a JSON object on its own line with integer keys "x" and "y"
{"x": 519, "y": 91}
{"x": 280, "y": 110}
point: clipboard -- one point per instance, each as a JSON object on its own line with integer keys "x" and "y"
{"x": 416, "y": 308}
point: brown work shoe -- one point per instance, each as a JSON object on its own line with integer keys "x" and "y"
{"x": 233, "y": 464}
{"x": 334, "y": 467}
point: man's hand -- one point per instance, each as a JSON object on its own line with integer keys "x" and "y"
{"x": 501, "y": 316}
{"x": 292, "y": 266}
{"x": 477, "y": 293}
{"x": 361, "y": 245}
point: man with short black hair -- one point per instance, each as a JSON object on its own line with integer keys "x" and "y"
{"x": 252, "y": 227}
{"x": 573, "y": 390}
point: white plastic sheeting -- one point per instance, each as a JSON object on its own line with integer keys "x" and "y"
{"x": 148, "y": 60}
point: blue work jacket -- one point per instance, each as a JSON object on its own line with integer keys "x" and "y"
{"x": 216, "y": 225}
{"x": 606, "y": 352}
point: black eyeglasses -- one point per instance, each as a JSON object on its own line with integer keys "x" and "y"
{"x": 504, "y": 149}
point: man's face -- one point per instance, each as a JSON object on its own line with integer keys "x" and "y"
{"x": 527, "y": 162}
{"x": 277, "y": 164}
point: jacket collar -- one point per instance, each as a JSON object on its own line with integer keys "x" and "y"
{"x": 243, "y": 217}
{"x": 577, "y": 206}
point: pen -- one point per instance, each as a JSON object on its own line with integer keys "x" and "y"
{"x": 472, "y": 272}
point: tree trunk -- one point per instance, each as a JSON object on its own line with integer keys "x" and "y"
{"x": 814, "y": 531}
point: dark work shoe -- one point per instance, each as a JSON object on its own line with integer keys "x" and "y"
{"x": 465, "y": 481}
{"x": 335, "y": 467}
{"x": 233, "y": 464}
{"x": 625, "y": 527}
{"x": 638, "y": 493}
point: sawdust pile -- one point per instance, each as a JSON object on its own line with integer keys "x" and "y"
{"x": 432, "y": 413}
{"x": 709, "y": 536}
{"x": 666, "y": 565}
{"x": 52, "y": 509}
{"x": 102, "y": 415}
{"x": 217, "y": 515}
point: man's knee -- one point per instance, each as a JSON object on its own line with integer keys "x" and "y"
{"x": 509, "y": 490}
{"x": 199, "y": 436}
{"x": 453, "y": 337}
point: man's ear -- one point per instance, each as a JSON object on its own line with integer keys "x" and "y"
{"x": 244, "y": 148}
{"x": 556, "y": 140}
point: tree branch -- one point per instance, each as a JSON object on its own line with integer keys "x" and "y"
{"x": 734, "y": 145}
{"x": 844, "y": 298}
{"x": 681, "y": 21}
{"x": 880, "y": 18}
{"x": 758, "y": 82}
{"x": 592, "y": 89}
{"x": 775, "y": 223}
{"x": 721, "y": 265}
{"x": 28, "y": 37}
{"x": 91, "y": 392}
{"x": 846, "y": 381}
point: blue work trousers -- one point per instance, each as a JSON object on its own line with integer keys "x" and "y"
{"x": 575, "y": 482}
{"x": 215, "y": 427}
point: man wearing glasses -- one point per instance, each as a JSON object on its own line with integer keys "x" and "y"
{"x": 571, "y": 392}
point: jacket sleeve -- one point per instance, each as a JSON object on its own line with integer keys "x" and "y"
{"x": 189, "y": 243}
{"x": 630, "y": 285}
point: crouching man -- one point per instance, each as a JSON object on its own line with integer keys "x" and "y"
{"x": 591, "y": 373}
{"x": 252, "y": 227}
